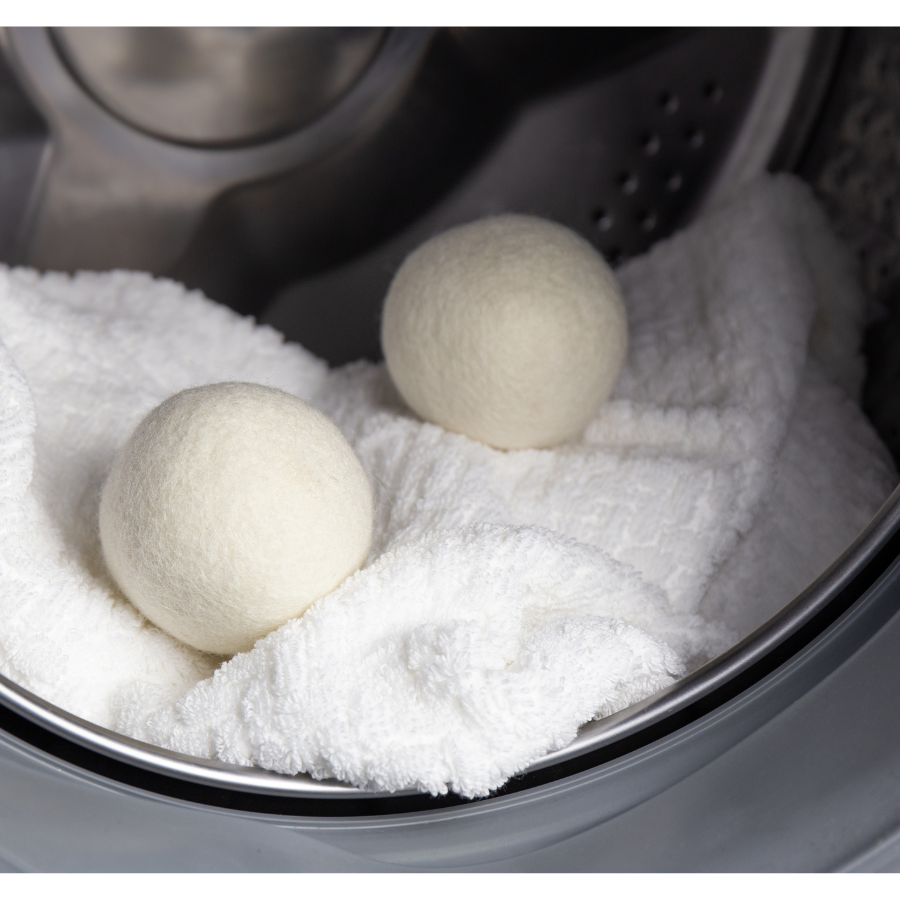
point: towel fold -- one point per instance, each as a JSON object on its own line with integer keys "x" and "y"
{"x": 509, "y": 597}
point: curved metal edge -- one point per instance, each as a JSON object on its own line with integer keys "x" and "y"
{"x": 50, "y": 84}
{"x": 714, "y": 674}
{"x": 592, "y": 736}
{"x": 212, "y": 773}
{"x": 40, "y": 177}
{"x": 146, "y": 196}
{"x": 77, "y": 59}
{"x": 765, "y": 121}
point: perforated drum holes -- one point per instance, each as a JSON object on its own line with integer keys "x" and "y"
{"x": 713, "y": 91}
{"x": 602, "y": 219}
{"x": 650, "y": 143}
{"x": 668, "y": 103}
{"x": 647, "y": 221}
{"x": 695, "y": 138}
{"x": 673, "y": 131}
{"x": 605, "y": 154}
{"x": 673, "y": 181}
{"x": 628, "y": 182}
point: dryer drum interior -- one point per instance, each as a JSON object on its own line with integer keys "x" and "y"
{"x": 292, "y": 190}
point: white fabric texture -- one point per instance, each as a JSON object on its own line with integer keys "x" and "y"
{"x": 508, "y": 596}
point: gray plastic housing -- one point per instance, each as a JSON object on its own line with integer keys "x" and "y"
{"x": 796, "y": 773}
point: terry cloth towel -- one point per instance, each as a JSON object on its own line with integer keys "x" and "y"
{"x": 509, "y": 597}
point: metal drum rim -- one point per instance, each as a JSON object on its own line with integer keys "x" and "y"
{"x": 591, "y": 737}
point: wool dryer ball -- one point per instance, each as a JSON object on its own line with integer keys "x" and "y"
{"x": 510, "y": 330}
{"x": 230, "y": 510}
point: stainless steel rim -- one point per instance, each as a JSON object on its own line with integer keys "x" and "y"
{"x": 790, "y": 45}
{"x": 591, "y": 737}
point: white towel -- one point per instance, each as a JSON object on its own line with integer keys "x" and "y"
{"x": 509, "y": 596}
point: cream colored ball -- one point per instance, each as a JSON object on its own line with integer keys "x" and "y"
{"x": 232, "y": 508}
{"x": 510, "y": 330}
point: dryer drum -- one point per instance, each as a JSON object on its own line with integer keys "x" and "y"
{"x": 296, "y": 205}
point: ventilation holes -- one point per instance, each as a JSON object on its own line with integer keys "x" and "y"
{"x": 602, "y": 219}
{"x": 647, "y": 221}
{"x": 673, "y": 181}
{"x": 713, "y": 92}
{"x": 657, "y": 165}
{"x": 695, "y": 137}
{"x": 650, "y": 144}
{"x": 628, "y": 182}
{"x": 668, "y": 102}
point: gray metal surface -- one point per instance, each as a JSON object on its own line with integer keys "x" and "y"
{"x": 155, "y": 759}
{"x": 570, "y": 118}
{"x": 623, "y": 160}
{"x": 24, "y": 143}
{"x": 814, "y": 788}
{"x": 591, "y": 737}
{"x": 210, "y": 86}
{"x": 765, "y": 120}
{"x": 115, "y": 197}
{"x": 799, "y": 772}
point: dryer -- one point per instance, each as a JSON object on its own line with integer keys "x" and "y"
{"x": 287, "y": 172}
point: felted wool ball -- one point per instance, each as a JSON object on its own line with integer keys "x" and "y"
{"x": 510, "y": 330}
{"x": 231, "y": 509}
